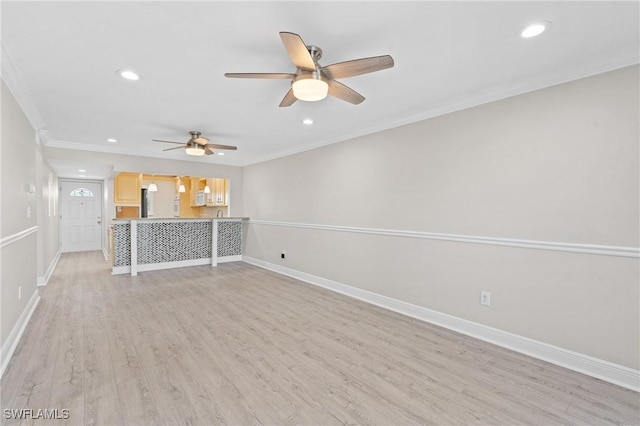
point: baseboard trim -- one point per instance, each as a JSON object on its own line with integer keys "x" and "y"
{"x": 597, "y": 249}
{"x": 591, "y": 366}
{"x": 225, "y": 259}
{"x": 170, "y": 265}
{"x": 42, "y": 281}
{"x": 9, "y": 346}
{"x": 118, "y": 270}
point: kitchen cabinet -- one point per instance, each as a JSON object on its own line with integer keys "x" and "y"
{"x": 127, "y": 189}
{"x": 219, "y": 196}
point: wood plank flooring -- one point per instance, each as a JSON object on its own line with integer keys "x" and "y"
{"x": 240, "y": 345}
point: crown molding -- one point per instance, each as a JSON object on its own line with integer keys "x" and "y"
{"x": 18, "y": 89}
{"x": 625, "y": 59}
{"x": 14, "y": 82}
{"x": 85, "y": 147}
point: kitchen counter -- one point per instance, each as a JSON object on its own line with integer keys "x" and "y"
{"x": 183, "y": 218}
{"x": 161, "y": 243}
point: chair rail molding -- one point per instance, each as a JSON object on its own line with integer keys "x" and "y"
{"x": 596, "y": 249}
{"x": 10, "y": 239}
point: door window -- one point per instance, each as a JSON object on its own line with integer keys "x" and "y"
{"x": 81, "y": 192}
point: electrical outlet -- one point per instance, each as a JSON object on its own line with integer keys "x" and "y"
{"x": 19, "y": 292}
{"x": 485, "y": 298}
{"x": 283, "y": 255}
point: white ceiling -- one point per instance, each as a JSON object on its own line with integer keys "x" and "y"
{"x": 60, "y": 58}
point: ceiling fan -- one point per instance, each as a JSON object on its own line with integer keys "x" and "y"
{"x": 197, "y": 145}
{"x": 311, "y": 81}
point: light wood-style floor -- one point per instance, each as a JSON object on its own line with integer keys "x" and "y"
{"x": 240, "y": 345}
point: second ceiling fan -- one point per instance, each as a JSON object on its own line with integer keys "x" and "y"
{"x": 311, "y": 81}
{"x": 197, "y": 145}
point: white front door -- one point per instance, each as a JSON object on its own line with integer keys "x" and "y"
{"x": 81, "y": 222}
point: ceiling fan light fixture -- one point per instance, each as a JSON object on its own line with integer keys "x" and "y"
{"x": 193, "y": 148}
{"x": 194, "y": 151}
{"x": 313, "y": 82}
{"x": 197, "y": 145}
{"x": 310, "y": 87}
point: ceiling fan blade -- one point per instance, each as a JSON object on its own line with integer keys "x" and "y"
{"x": 216, "y": 146}
{"x": 297, "y": 51}
{"x": 357, "y": 67}
{"x": 345, "y": 93}
{"x": 258, "y": 75}
{"x": 157, "y": 140}
{"x": 207, "y": 151}
{"x": 288, "y": 99}
{"x": 201, "y": 140}
{"x": 171, "y": 149}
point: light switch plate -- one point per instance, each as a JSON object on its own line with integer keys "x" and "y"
{"x": 485, "y": 298}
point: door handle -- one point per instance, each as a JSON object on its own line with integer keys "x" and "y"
{"x": 99, "y": 222}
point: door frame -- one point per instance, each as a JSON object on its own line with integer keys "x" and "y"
{"x": 102, "y": 204}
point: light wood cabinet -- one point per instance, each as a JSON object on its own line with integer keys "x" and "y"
{"x": 127, "y": 189}
{"x": 219, "y": 195}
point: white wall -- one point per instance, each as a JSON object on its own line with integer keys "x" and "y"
{"x": 29, "y": 223}
{"x": 48, "y": 218}
{"x": 18, "y": 254}
{"x": 555, "y": 165}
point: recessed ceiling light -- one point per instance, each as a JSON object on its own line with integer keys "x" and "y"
{"x": 112, "y": 140}
{"x": 221, "y": 153}
{"x": 535, "y": 29}
{"x": 128, "y": 74}
{"x": 82, "y": 170}
{"x": 307, "y": 121}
